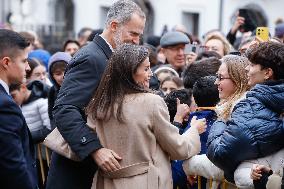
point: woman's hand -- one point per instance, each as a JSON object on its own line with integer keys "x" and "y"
{"x": 200, "y": 124}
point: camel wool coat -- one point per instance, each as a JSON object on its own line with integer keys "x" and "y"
{"x": 146, "y": 141}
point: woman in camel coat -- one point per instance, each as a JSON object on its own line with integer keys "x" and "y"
{"x": 132, "y": 121}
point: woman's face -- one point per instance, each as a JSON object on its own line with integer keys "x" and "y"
{"x": 39, "y": 73}
{"x": 215, "y": 45}
{"x": 226, "y": 86}
{"x": 71, "y": 48}
{"x": 255, "y": 74}
{"x": 143, "y": 74}
{"x": 168, "y": 86}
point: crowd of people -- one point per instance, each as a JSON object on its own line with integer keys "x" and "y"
{"x": 144, "y": 114}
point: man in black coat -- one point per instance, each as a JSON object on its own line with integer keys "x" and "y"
{"x": 17, "y": 154}
{"x": 125, "y": 24}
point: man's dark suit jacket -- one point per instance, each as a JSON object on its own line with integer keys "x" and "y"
{"x": 81, "y": 80}
{"x": 17, "y": 155}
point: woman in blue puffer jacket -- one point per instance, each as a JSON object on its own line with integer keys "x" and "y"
{"x": 256, "y": 128}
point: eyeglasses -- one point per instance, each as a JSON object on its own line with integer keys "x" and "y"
{"x": 220, "y": 78}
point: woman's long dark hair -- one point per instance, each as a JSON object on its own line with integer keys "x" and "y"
{"x": 117, "y": 81}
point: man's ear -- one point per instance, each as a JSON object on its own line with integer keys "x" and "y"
{"x": 269, "y": 74}
{"x": 113, "y": 26}
{"x": 4, "y": 62}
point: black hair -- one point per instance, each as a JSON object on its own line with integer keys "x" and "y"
{"x": 205, "y": 92}
{"x": 198, "y": 69}
{"x": 11, "y": 41}
{"x": 14, "y": 86}
{"x": 70, "y": 41}
{"x": 184, "y": 95}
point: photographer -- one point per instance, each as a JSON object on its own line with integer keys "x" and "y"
{"x": 243, "y": 23}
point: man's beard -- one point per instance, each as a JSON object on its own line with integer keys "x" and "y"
{"x": 118, "y": 39}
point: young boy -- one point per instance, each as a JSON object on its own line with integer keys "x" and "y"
{"x": 56, "y": 68}
{"x": 206, "y": 96}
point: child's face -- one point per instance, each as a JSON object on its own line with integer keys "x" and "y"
{"x": 39, "y": 73}
{"x": 18, "y": 96}
{"x": 58, "y": 76}
{"x": 168, "y": 86}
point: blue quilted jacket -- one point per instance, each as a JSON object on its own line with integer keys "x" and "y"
{"x": 256, "y": 129}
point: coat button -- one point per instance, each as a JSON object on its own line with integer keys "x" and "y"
{"x": 83, "y": 140}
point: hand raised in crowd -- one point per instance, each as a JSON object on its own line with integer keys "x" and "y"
{"x": 257, "y": 170}
{"x": 182, "y": 111}
{"x": 190, "y": 58}
{"x": 200, "y": 124}
{"x": 239, "y": 21}
{"x": 107, "y": 159}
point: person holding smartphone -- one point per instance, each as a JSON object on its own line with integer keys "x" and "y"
{"x": 244, "y": 24}
{"x": 231, "y": 36}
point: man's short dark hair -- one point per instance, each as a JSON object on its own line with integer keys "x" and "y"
{"x": 11, "y": 41}
{"x": 205, "y": 92}
{"x": 14, "y": 86}
{"x": 198, "y": 69}
{"x": 184, "y": 95}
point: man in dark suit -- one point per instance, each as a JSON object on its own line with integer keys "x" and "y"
{"x": 17, "y": 155}
{"x": 125, "y": 24}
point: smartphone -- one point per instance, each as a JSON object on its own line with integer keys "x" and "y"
{"x": 191, "y": 48}
{"x": 248, "y": 25}
{"x": 262, "y": 33}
